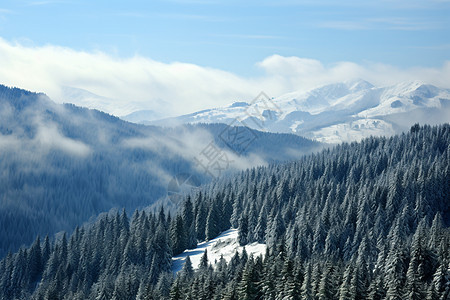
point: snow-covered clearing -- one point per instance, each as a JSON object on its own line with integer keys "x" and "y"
{"x": 225, "y": 244}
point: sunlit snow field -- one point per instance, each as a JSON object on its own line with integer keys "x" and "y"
{"x": 225, "y": 244}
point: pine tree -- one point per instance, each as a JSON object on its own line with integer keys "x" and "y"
{"x": 275, "y": 228}
{"x": 243, "y": 230}
{"x": 204, "y": 263}
{"x": 187, "y": 271}
{"x": 247, "y": 287}
{"x": 327, "y": 284}
{"x": 178, "y": 235}
{"x": 189, "y": 224}
{"x": 307, "y": 292}
{"x": 395, "y": 274}
{"x": 175, "y": 291}
{"x": 293, "y": 287}
{"x": 35, "y": 266}
{"x": 395, "y": 195}
{"x": 440, "y": 286}
{"x": 46, "y": 250}
{"x": 227, "y": 211}
{"x": 164, "y": 283}
{"x": 200, "y": 219}
{"x": 213, "y": 222}
{"x": 261, "y": 227}
{"x": 230, "y": 292}
{"x": 414, "y": 274}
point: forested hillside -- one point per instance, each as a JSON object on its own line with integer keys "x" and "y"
{"x": 61, "y": 164}
{"x": 365, "y": 220}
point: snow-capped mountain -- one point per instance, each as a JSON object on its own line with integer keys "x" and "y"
{"x": 88, "y": 99}
{"x": 347, "y": 111}
{"x": 141, "y": 116}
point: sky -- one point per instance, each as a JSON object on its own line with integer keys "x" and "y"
{"x": 178, "y": 56}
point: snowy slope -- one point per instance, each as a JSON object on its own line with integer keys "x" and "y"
{"x": 347, "y": 111}
{"x": 141, "y": 116}
{"x": 85, "y": 98}
{"x": 225, "y": 244}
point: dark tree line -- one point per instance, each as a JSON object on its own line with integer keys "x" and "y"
{"x": 365, "y": 220}
{"x": 111, "y": 259}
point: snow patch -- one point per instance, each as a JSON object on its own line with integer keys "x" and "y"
{"x": 294, "y": 126}
{"x": 225, "y": 244}
{"x": 353, "y": 131}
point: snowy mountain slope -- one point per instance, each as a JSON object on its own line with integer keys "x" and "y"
{"x": 91, "y": 100}
{"x": 225, "y": 244}
{"x": 334, "y": 113}
{"x": 141, "y": 116}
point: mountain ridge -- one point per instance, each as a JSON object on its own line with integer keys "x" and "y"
{"x": 334, "y": 113}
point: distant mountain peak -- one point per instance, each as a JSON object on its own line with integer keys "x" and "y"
{"x": 358, "y": 84}
{"x": 414, "y": 85}
{"x": 416, "y": 89}
{"x": 342, "y": 111}
{"x": 141, "y": 116}
{"x": 238, "y": 104}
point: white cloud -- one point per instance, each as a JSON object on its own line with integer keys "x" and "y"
{"x": 296, "y": 73}
{"x": 9, "y": 143}
{"x": 189, "y": 143}
{"x": 48, "y": 137}
{"x": 141, "y": 83}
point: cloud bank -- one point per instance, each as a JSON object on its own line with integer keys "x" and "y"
{"x": 124, "y": 85}
{"x": 34, "y": 147}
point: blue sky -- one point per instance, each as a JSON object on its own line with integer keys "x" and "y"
{"x": 236, "y": 36}
{"x": 233, "y": 35}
